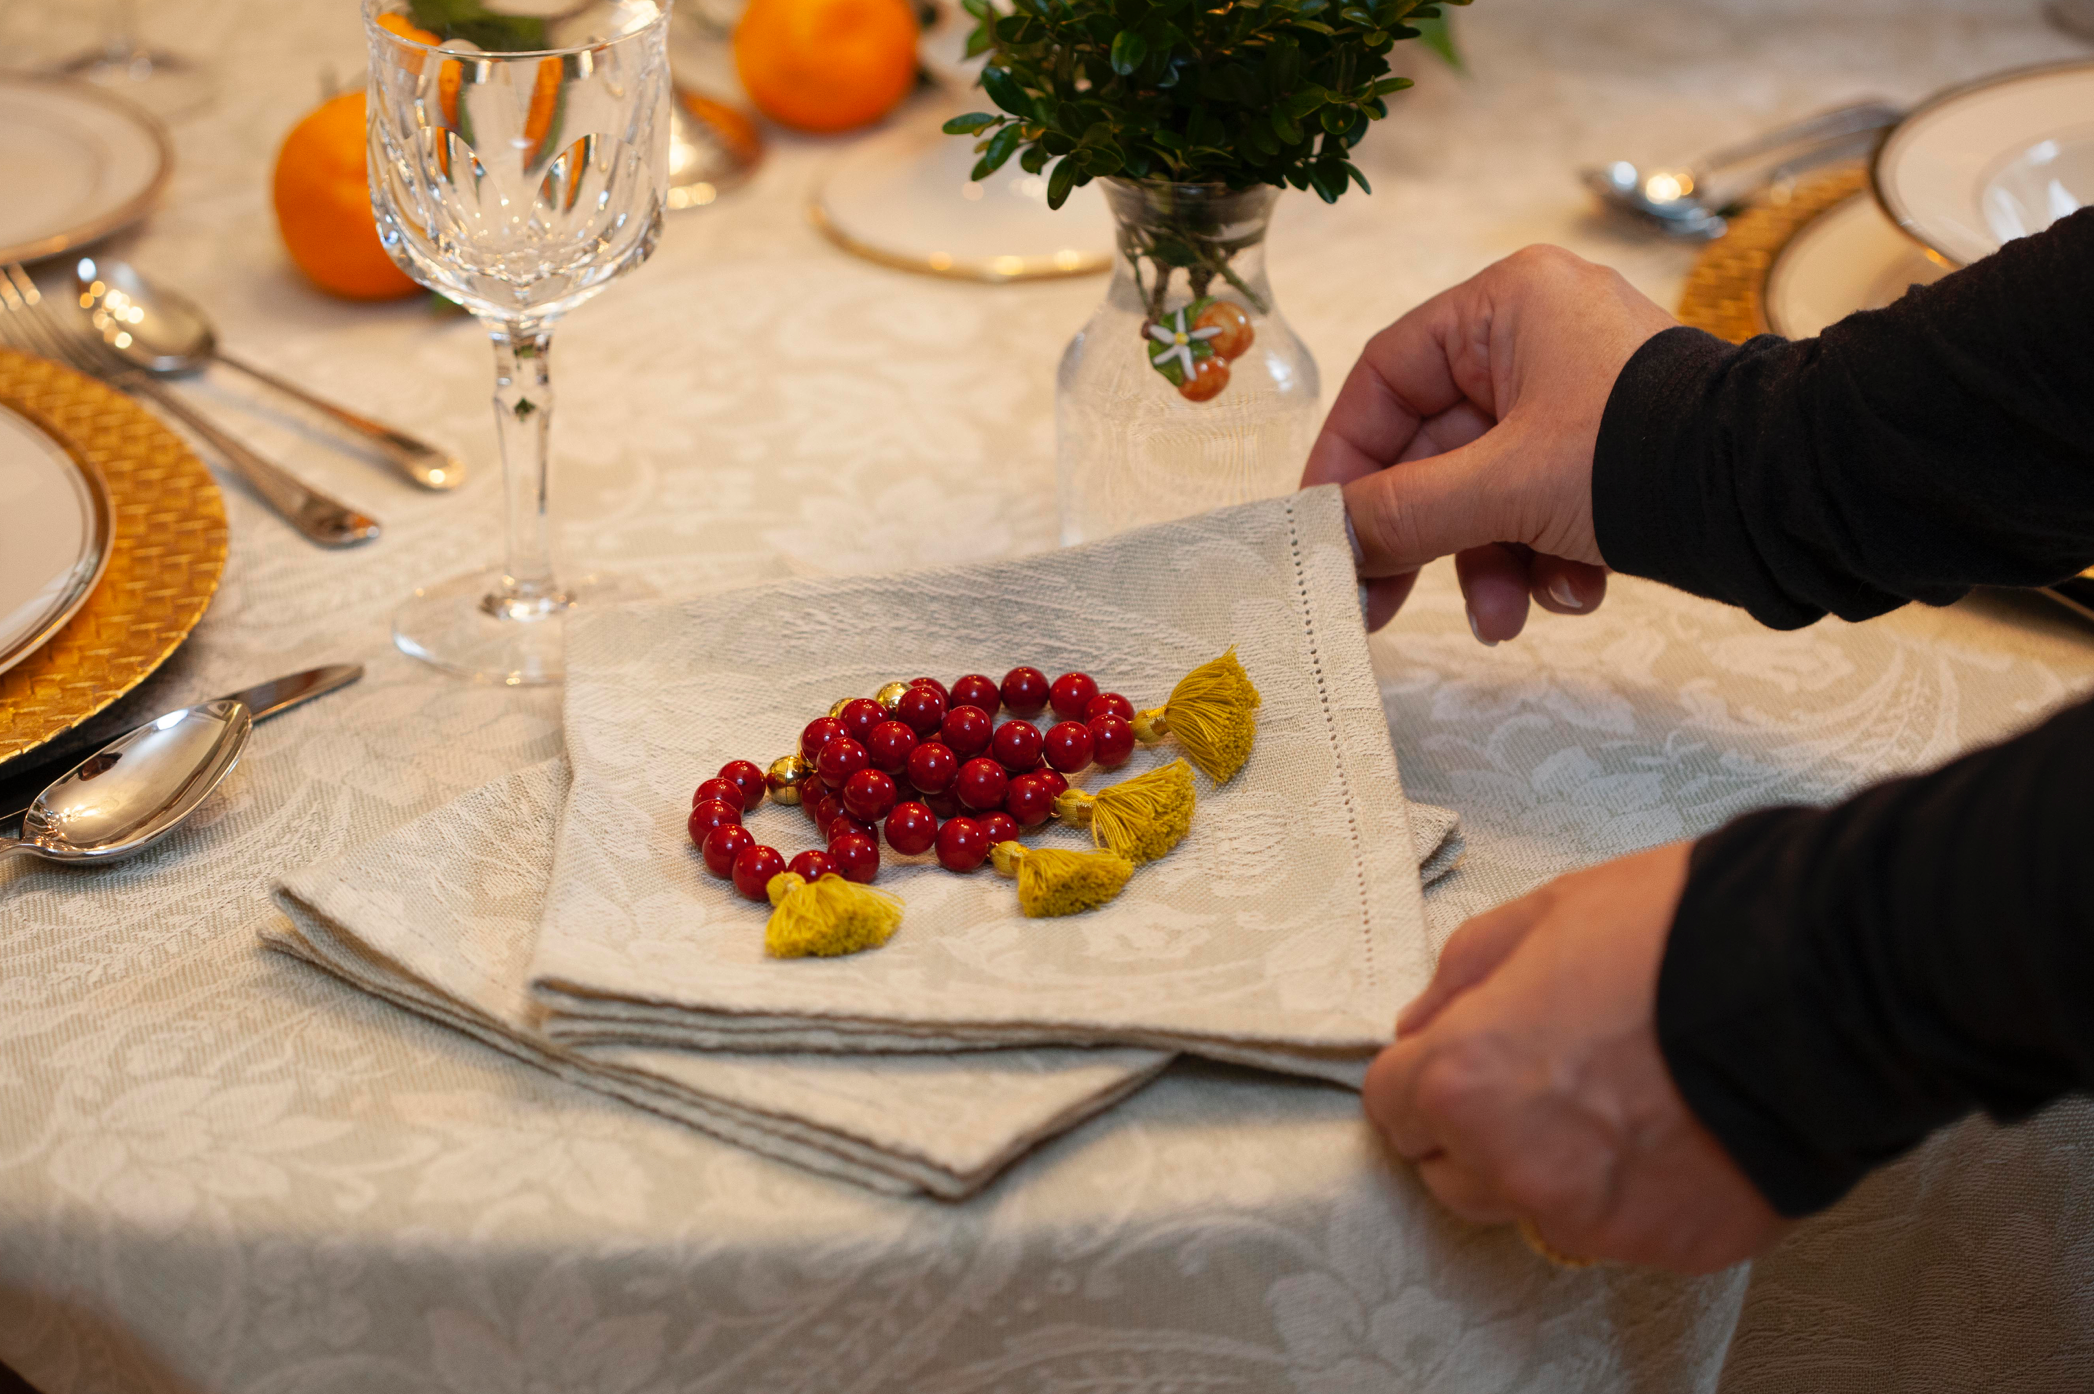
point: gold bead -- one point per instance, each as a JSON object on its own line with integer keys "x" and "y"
{"x": 786, "y": 775}
{"x": 836, "y": 707}
{"x": 889, "y": 695}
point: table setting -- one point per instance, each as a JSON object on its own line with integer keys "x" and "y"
{"x": 373, "y": 1012}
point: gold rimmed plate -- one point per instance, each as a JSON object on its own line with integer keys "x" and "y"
{"x": 167, "y": 547}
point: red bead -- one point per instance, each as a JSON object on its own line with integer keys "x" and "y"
{"x": 1030, "y": 800}
{"x": 944, "y": 805}
{"x": 1071, "y": 693}
{"x": 938, "y": 687}
{"x": 725, "y": 790}
{"x": 888, "y": 745}
{"x": 818, "y": 733}
{"x": 710, "y": 814}
{"x": 962, "y": 845}
{"x": 820, "y": 805}
{"x": 1067, "y": 746}
{"x": 754, "y": 866}
{"x": 999, "y": 827}
{"x": 843, "y": 825}
{"x": 839, "y": 760}
{"x": 1017, "y": 746}
{"x": 911, "y": 829}
{"x": 1024, "y": 690}
{"x": 922, "y": 708}
{"x": 860, "y": 715}
{"x": 967, "y": 730}
{"x": 748, "y": 776}
{"x": 856, "y": 855}
{"x": 811, "y": 865}
{"x": 932, "y": 767}
{"x": 1112, "y": 741}
{"x": 981, "y": 783}
{"x": 723, "y": 844}
{"x": 1054, "y": 779}
{"x": 1108, "y": 704}
{"x": 975, "y": 690}
{"x": 868, "y": 794}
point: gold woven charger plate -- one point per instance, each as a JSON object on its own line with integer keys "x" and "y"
{"x": 167, "y": 552}
{"x": 1725, "y": 292}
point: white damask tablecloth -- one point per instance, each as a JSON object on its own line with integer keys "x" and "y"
{"x": 220, "y": 1171}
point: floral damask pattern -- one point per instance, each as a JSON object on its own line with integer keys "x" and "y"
{"x": 220, "y": 1171}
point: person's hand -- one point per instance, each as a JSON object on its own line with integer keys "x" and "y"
{"x": 1527, "y": 1083}
{"x": 1467, "y": 429}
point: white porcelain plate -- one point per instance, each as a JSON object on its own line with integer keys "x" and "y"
{"x": 76, "y": 164}
{"x": 1850, "y": 257}
{"x": 1981, "y": 165}
{"x": 54, "y": 536}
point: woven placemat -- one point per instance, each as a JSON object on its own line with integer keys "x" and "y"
{"x": 167, "y": 553}
{"x": 1725, "y": 292}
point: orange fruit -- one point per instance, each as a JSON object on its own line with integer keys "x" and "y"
{"x": 323, "y": 205}
{"x": 826, "y": 65}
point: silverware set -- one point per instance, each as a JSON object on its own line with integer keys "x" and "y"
{"x": 130, "y": 334}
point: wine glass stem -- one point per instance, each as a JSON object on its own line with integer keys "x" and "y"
{"x": 523, "y": 413}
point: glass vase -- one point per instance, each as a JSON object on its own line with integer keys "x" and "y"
{"x": 1187, "y": 390}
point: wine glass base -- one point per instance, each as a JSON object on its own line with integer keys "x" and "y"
{"x": 165, "y": 84}
{"x": 458, "y": 626}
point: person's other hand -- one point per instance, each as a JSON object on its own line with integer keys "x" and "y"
{"x": 1467, "y": 429}
{"x": 1527, "y": 1083}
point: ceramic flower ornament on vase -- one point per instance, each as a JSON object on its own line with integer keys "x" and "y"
{"x": 1187, "y": 390}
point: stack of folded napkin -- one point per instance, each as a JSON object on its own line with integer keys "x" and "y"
{"x": 1284, "y": 932}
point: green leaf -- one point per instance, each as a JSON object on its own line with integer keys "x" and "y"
{"x": 1355, "y": 15}
{"x": 1337, "y": 119}
{"x": 1436, "y": 34}
{"x": 978, "y": 8}
{"x": 1128, "y": 50}
{"x": 1386, "y": 85}
{"x": 978, "y": 43}
{"x": 1003, "y": 89}
{"x": 1060, "y": 182}
{"x": 970, "y": 123}
{"x": 1353, "y": 171}
{"x": 1033, "y": 160}
{"x": 1011, "y": 29}
{"x": 1286, "y": 128}
{"x": 996, "y": 152}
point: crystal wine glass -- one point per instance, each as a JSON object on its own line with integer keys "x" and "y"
{"x": 519, "y": 184}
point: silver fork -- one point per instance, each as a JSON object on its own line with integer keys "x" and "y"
{"x": 31, "y": 325}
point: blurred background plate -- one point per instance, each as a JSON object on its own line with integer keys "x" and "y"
{"x": 54, "y": 534}
{"x": 1983, "y": 164}
{"x": 166, "y": 553}
{"x": 76, "y": 164}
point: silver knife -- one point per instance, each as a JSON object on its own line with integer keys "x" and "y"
{"x": 263, "y": 700}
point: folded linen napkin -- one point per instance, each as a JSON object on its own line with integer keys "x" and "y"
{"x": 1284, "y": 932}
{"x": 440, "y": 917}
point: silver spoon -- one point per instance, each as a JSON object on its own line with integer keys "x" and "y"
{"x": 167, "y": 334}
{"x": 138, "y": 788}
{"x": 1697, "y": 202}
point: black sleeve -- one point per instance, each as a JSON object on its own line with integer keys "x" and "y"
{"x": 1905, "y": 454}
{"x": 1840, "y": 981}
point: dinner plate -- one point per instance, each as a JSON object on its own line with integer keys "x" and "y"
{"x": 1850, "y": 257}
{"x": 54, "y": 534}
{"x": 1983, "y": 164}
{"x": 76, "y": 162}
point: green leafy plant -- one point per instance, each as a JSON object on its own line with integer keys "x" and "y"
{"x": 475, "y": 22}
{"x": 1230, "y": 92}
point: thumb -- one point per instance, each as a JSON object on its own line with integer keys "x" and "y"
{"x": 1420, "y": 510}
{"x": 1472, "y": 954}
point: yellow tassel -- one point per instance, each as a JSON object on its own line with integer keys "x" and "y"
{"x": 1210, "y": 712}
{"x": 829, "y": 917}
{"x": 1055, "y": 882}
{"x": 1140, "y": 818}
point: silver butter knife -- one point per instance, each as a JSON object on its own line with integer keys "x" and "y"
{"x": 262, "y": 700}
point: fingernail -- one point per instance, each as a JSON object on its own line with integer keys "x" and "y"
{"x": 1560, "y": 590}
{"x": 1487, "y": 643}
